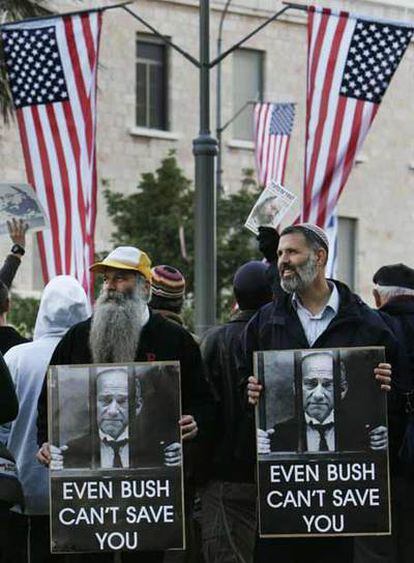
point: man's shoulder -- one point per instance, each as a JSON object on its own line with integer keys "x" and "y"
{"x": 74, "y": 346}
{"x": 163, "y": 327}
{"x": 79, "y": 328}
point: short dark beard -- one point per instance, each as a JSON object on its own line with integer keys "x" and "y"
{"x": 116, "y": 326}
{"x": 303, "y": 276}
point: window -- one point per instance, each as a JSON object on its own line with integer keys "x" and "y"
{"x": 247, "y": 86}
{"x": 151, "y": 84}
{"x": 347, "y": 237}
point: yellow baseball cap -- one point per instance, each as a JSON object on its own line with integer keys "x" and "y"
{"x": 125, "y": 258}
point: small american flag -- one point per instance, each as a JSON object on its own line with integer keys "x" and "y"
{"x": 52, "y": 67}
{"x": 351, "y": 62}
{"x": 273, "y": 125}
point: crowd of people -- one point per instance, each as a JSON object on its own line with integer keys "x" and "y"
{"x": 284, "y": 302}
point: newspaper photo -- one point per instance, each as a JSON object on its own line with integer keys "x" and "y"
{"x": 21, "y": 202}
{"x": 270, "y": 208}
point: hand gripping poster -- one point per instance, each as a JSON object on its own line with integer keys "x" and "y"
{"x": 322, "y": 443}
{"x": 116, "y": 476}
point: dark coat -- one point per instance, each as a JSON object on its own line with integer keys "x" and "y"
{"x": 161, "y": 340}
{"x": 276, "y": 326}
{"x": 9, "y": 337}
{"x": 219, "y": 348}
{"x": 8, "y": 401}
{"x": 398, "y": 314}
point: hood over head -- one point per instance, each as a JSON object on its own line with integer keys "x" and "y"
{"x": 64, "y": 303}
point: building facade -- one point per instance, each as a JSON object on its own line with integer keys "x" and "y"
{"x": 148, "y": 104}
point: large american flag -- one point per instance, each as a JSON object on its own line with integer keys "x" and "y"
{"x": 273, "y": 125}
{"x": 52, "y": 68}
{"x": 351, "y": 62}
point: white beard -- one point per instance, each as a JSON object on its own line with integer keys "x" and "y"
{"x": 116, "y": 327}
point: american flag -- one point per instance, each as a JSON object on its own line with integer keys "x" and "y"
{"x": 273, "y": 125}
{"x": 52, "y": 68}
{"x": 351, "y": 61}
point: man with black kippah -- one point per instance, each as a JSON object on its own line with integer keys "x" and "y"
{"x": 394, "y": 297}
{"x": 317, "y": 313}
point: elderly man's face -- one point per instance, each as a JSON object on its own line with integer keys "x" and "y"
{"x": 318, "y": 386}
{"x": 112, "y": 403}
{"x": 122, "y": 281}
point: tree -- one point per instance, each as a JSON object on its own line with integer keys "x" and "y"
{"x": 160, "y": 219}
{"x": 11, "y": 10}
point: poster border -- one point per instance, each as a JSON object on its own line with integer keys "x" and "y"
{"x": 52, "y": 389}
{"x": 261, "y": 405}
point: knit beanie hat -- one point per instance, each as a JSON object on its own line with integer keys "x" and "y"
{"x": 167, "y": 288}
{"x": 251, "y": 285}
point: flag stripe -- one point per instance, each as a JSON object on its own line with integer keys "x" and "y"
{"x": 58, "y": 180}
{"x": 48, "y": 185}
{"x": 323, "y": 108}
{"x": 31, "y": 179}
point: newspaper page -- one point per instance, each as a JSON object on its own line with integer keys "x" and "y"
{"x": 270, "y": 208}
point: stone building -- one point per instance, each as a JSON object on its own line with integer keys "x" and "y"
{"x": 148, "y": 104}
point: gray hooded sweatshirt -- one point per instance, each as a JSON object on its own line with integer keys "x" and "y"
{"x": 63, "y": 304}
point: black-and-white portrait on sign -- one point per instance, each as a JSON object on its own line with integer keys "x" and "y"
{"x": 116, "y": 417}
{"x": 321, "y": 401}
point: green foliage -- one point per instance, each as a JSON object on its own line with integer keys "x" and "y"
{"x": 23, "y": 314}
{"x": 153, "y": 218}
{"x": 235, "y": 244}
{"x": 163, "y": 206}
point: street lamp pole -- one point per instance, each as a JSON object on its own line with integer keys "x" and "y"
{"x": 204, "y": 150}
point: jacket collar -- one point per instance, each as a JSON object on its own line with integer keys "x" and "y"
{"x": 402, "y": 304}
{"x": 242, "y": 316}
{"x": 350, "y": 306}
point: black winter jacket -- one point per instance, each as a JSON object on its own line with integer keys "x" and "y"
{"x": 219, "y": 348}
{"x": 9, "y": 406}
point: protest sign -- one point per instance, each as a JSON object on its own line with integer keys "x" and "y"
{"x": 21, "y": 202}
{"x": 322, "y": 443}
{"x": 116, "y": 476}
{"x": 270, "y": 208}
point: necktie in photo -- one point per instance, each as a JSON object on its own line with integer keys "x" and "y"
{"x": 322, "y": 429}
{"x": 116, "y": 446}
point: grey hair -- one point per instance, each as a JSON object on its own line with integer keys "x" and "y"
{"x": 388, "y": 291}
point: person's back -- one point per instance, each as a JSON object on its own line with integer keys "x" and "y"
{"x": 394, "y": 297}
{"x": 63, "y": 303}
{"x": 231, "y": 482}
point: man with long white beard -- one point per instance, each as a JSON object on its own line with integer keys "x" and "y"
{"x": 314, "y": 313}
{"x": 123, "y": 329}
